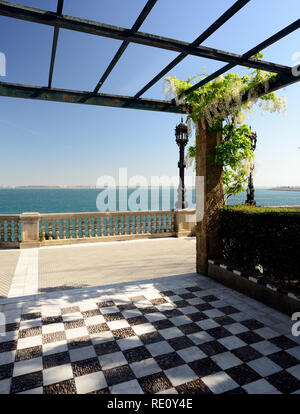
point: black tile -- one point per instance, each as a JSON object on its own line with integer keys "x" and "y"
{"x": 52, "y": 319}
{"x": 228, "y": 310}
{"x": 210, "y": 298}
{"x": 197, "y": 316}
{"x": 102, "y": 391}
{"x": 136, "y": 354}
{"x": 283, "y": 342}
{"x": 54, "y": 360}
{"x": 250, "y": 337}
{"x": 181, "y": 342}
{"x": 26, "y": 333}
{"x": 189, "y": 328}
{"x": 204, "y": 367}
{"x": 203, "y": 307}
{"x": 74, "y": 324}
{"x": 123, "y": 333}
{"x": 246, "y": 353}
{"x": 63, "y": 387}
{"x": 79, "y": 342}
{"x": 193, "y": 387}
{"x": 158, "y": 301}
{"x": 91, "y": 313}
{"x": 162, "y": 324}
{"x": 12, "y": 327}
{"x": 152, "y": 384}
{"x": 149, "y": 309}
{"x": 252, "y": 324}
{"x": 54, "y": 337}
{"x": 88, "y": 366}
{"x": 187, "y": 296}
{"x": 236, "y": 391}
{"x": 106, "y": 304}
{"x": 107, "y": 348}
{"x": 26, "y": 382}
{"x": 181, "y": 303}
{"x": 224, "y": 320}
{"x": 100, "y": 327}
{"x": 168, "y": 293}
{"x": 109, "y": 317}
{"x": 8, "y": 346}
{"x": 117, "y": 375}
{"x": 137, "y": 298}
{"x": 218, "y": 332}
{"x": 284, "y": 382}
{"x": 212, "y": 348}
{"x": 6, "y": 371}
{"x": 70, "y": 309}
{"x": 126, "y": 306}
{"x": 30, "y": 316}
{"x": 151, "y": 337}
{"x": 243, "y": 374}
{"x": 172, "y": 313}
{"x": 194, "y": 289}
{"x": 137, "y": 320}
{"x": 29, "y": 353}
{"x": 168, "y": 361}
{"x": 283, "y": 359}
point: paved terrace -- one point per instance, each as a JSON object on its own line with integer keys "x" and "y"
{"x": 133, "y": 317}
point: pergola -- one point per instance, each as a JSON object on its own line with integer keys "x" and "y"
{"x": 207, "y": 239}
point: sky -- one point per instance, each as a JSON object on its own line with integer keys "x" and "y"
{"x": 50, "y": 143}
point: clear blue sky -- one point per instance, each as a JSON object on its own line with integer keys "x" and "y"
{"x": 56, "y": 143}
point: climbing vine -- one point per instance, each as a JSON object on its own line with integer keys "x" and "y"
{"x": 222, "y": 105}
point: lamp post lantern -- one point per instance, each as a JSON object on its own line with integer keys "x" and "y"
{"x": 181, "y": 134}
{"x": 250, "y": 190}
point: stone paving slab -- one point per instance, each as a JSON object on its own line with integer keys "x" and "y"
{"x": 181, "y": 334}
{"x": 114, "y": 262}
{"x": 8, "y": 263}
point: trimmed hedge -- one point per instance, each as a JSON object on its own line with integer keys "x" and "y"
{"x": 269, "y": 237}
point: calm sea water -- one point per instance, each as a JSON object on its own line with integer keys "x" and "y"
{"x": 15, "y": 201}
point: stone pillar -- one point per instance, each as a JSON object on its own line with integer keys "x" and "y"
{"x": 185, "y": 222}
{"x": 30, "y": 230}
{"x": 207, "y": 231}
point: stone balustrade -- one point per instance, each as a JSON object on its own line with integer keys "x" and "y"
{"x": 30, "y": 230}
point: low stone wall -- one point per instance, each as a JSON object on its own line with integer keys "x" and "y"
{"x": 269, "y": 295}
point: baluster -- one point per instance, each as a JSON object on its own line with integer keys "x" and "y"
{"x": 130, "y": 224}
{"x": 113, "y": 227}
{"x": 107, "y": 226}
{"x": 82, "y": 227}
{"x": 16, "y": 230}
{"x": 9, "y": 230}
{"x": 50, "y": 229}
{"x": 57, "y": 228}
{"x": 152, "y": 223}
{"x": 136, "y": 224}
{"x": 119, "y": 225}
{"x": 2, "y": 230}
{"x": 172, "y": 222}
{"x": 76, "y": 227}
{"x": 101, "y": 226}
{"x": 95, "y": 227}
{"x": 70, "y": 228}
{"x": 89, "y": 220}
{"x": 43, "y": 228}
{"x": 63, "y": 225}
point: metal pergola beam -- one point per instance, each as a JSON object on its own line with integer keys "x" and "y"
{"x": 60, "y": 4}
{"x": 72, "y": 96}
{"x": 266, "y": 43}
{"x": 238, "y": 5}
{"x": 87, "y": 26}
{"x": 141, "y": 18}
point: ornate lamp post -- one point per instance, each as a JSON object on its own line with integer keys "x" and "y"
{"x": 250, "y": 190}
{"x": 181, "y": 134}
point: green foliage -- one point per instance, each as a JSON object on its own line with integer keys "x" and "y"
{"x": 222, "y": 105}
{"x": 265, "y": 239}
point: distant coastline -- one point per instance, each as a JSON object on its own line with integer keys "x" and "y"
{"x": 285, "y": 188}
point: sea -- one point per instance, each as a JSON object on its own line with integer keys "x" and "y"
{"x": 68, "y": 200}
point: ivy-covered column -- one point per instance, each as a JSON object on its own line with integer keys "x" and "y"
{"x": 207, "y": 231}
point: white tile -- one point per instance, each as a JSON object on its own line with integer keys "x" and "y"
{"x": 34, "y": 323}
{"x": 168, "y": 391}
{"x": 27, "y": 366}
{"x": 109, "y": 309}
{"x": 9, "y": 336}
{"x": 236, "y": 328}
{"x": 295, "y": 352}
{"x": 145, "y": 367}
{"x": 122, "y": 323}
{"x": 195, "y": 301}
{"x": 90, "y": 382}
{"x": 100, "y": 338}
{"x": 266, "y": 332}
{"x": 57, "y": 374}
{"x": 159, "y": 348}
{"x": 232, "y": 342}
{"x": 265, "y": 347}
{"x": 165, "y": 307}
{"x": 52, "y": 327}
{"x": 76, "y": 333}
{"x": 131, "y": 313}
{"x": 112, "y": 360}
{"x": 7, "y": 357}
{"x": 130, "y": 342}
{"x": 82, "y": 353}
{"x": 213, "y": 313}
{"x": 5, "y": 386}
{"x": 37, "y": 391}
{"x": 180, "y": 375}
{"x": 187, "y": 310}
{"x": 200, "y": 337}
{"x": 180, "y": 320}
{"x": 155, "y": 316}
{"x": 29, "y": 342}
{"x": 260, "y": 387}
{"x": 295, "y": 371}
{"x": 143, "y": 328}
{"x": 70, "y": 317}
{"x": 219, "y": 382}
{"x": 207, "y": 324}
{"x": 226, "y": 360}
{"x": 191, "y": 354}
{"x": 264, "y": 366}
{"x": 87, "y": 306}
{"x": 55, "y": 347}
{"x": 170, "y": 333}
{"x": 128, "y": 387}
{"x": 94, "y": 320}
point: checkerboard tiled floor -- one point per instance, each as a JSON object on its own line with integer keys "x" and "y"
{"x": 184, "y": 335}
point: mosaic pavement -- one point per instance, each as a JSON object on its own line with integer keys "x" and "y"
{"x": 185, "y": 334}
